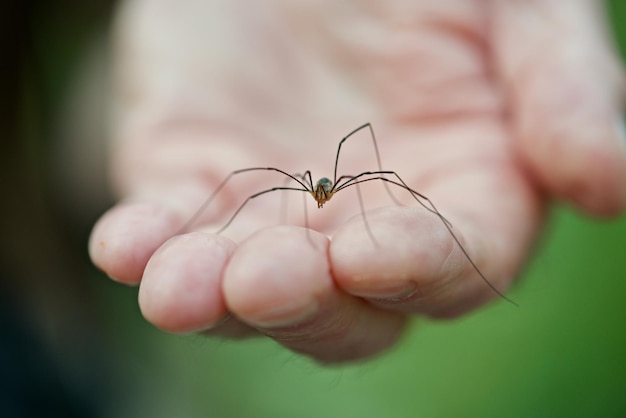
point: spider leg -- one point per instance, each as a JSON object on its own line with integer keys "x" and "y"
{"x": 210, "y": 199}
{"x": 380, "y": 166}
{"x": 356, "y": 180}
{"x": 219, "y": 231}
{"x": 351, "y": 179}
{"x": 361, "y": 205}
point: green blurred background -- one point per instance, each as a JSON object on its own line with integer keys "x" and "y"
{"x": 562, "y": 353}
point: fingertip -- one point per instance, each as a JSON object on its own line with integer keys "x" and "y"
{"x": 585, "y": 166}
{"x": 181, "y": 286}
{"x": 408, "y": 253}
{"x": 417, "y": 265}
{"x": 280, "y": 283}
{"x": 124, "y": 238}
{"x": 567, "y": 87}
{"x": 277, "y": 276}
{"x": 570, "y": 131}
{"x": 572, "y": 138}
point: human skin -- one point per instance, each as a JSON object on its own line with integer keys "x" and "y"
{"x": 492, "y": 109}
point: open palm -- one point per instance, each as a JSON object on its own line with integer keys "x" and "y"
{"x": 487, "y": 108}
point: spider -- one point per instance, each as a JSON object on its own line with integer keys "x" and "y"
{"x": 324, "y": 190}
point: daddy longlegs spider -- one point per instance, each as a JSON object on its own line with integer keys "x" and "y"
{"x": 325, "y": 189}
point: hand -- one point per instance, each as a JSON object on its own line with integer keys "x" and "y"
{"x": 490, "y": 109}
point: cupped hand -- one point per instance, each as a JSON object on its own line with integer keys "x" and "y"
{"x": 488, "y": 108}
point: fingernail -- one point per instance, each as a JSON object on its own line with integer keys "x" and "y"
{"x": 285, "y": 315}
{"x": 388, "y": 291}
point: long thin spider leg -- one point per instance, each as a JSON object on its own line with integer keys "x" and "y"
{"x": 403, "y": 185}
{"x": 306, "y": 212}
{"x": 362, "y": 206}
{"x": 380, "y": 166}
{"x": 433, "y": 209}
{"x": 365, "y": 221}
{"x": 303, "y": 177}
{"x": 210, "y": 199}
{"x": 341, "y": 143}
{"x": 307, "y": 228}
{"x": 284, "y": 204}
{"x": 219, "y": 231}
{"x": 352, "y": 179}
{"x": 244, "y": 170}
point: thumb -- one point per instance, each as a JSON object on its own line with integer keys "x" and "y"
{"x": 566, "y": 90}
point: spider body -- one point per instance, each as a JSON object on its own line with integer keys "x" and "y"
{"x": 323, "y": 191}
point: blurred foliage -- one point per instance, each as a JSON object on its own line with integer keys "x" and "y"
{"x": 616, "y": 10}
{"x": 562, "y": 353}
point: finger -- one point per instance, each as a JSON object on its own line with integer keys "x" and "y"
{"x": 280, "y": 282}
{"x": 124, "y": 238}
{"x": 181, "y": 288}
{"x": 414, "y": 265}
{"x": 567, "y": 91}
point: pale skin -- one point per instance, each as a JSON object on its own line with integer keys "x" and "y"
{"x": 492, "y": 109}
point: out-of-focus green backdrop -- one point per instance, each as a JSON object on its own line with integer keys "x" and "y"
{"x": 562, "y": 353}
